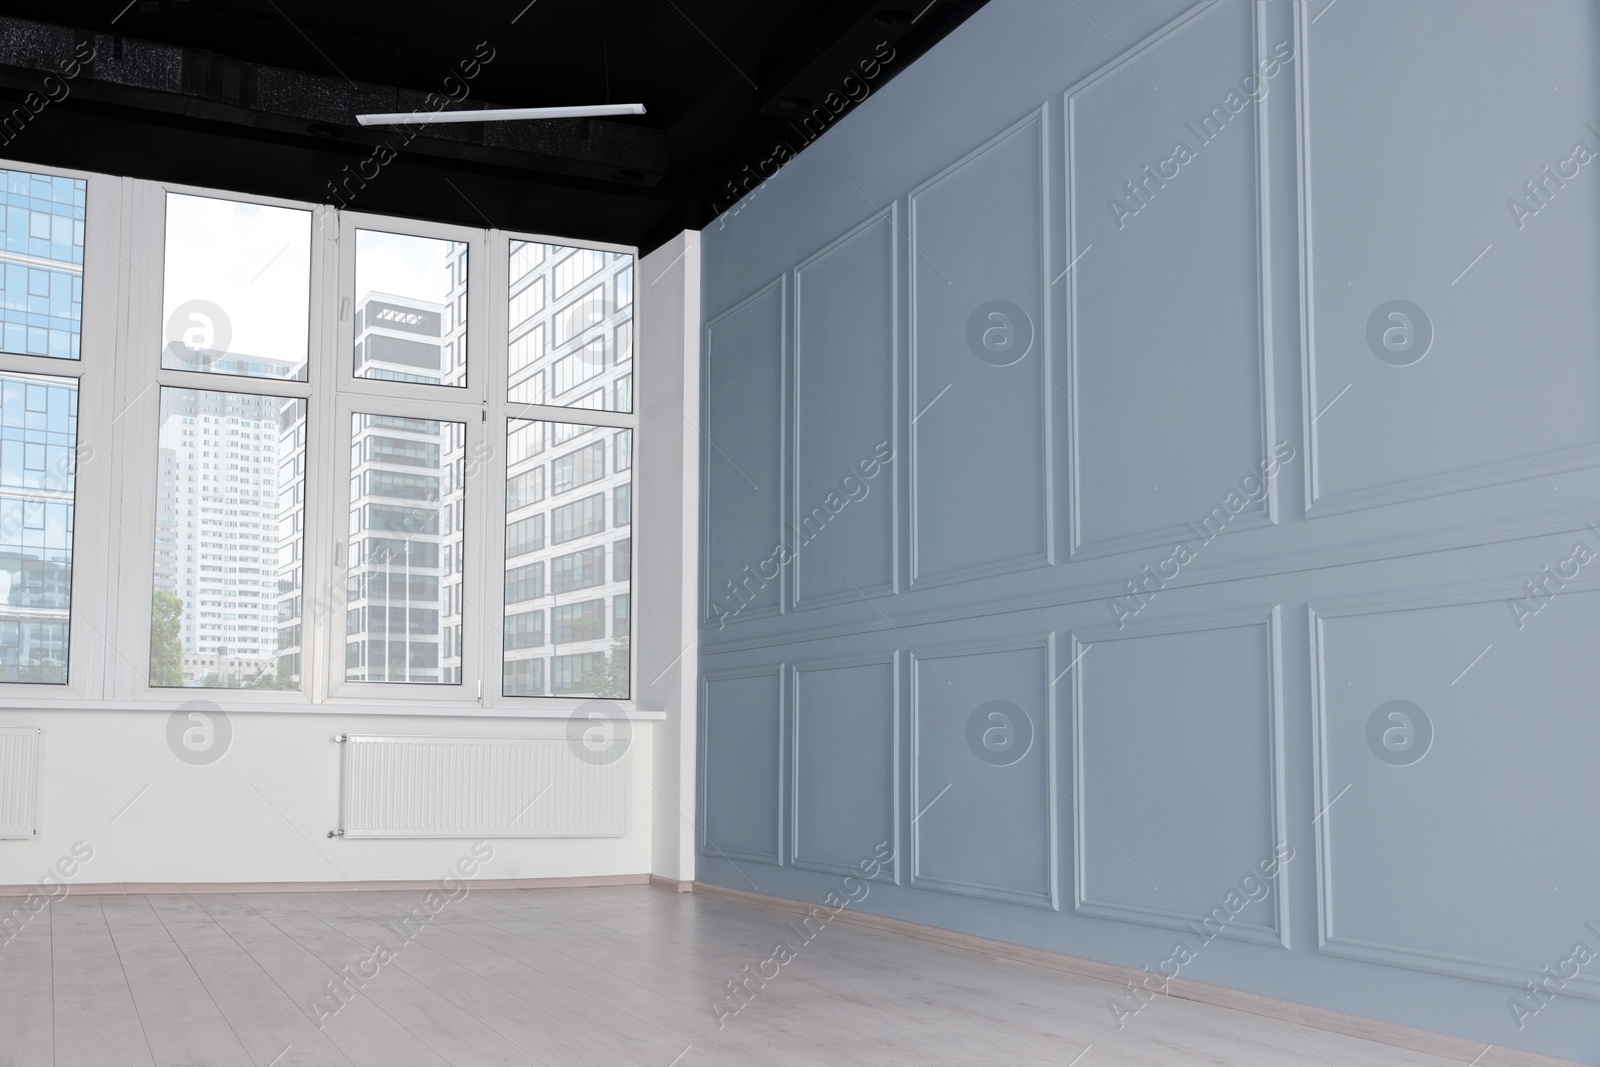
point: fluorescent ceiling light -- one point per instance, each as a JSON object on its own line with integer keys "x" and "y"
{"x": 501, "y": 114}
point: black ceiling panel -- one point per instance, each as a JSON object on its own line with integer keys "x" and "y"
{"x": 261, "y": 96}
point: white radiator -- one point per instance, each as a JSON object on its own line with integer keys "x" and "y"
{"x": 19, "y": 781}
{"x": 478, "y": 787}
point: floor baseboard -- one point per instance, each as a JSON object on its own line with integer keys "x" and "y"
{"x": 406, "y": 885}
{"x": 1338, "y": 1022}
{"x": 671, "y": 885}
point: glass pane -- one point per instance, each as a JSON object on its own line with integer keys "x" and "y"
{"x": 38, "y": 474}
{"x": 236, "y": 288}
{"x": 407, "y": 505}
{"x": 411, "y": 309}
{"x": 568, "y": 573}
{"x": 571, "y": 327}
{"x": 41, "y": 251}
{"x": 227, "y": 606}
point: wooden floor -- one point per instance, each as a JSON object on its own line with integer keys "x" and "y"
{"x": 561, "y": 977}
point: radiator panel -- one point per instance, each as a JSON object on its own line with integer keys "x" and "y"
{"x": 19, "y": 781}
{"x": 409, "y": 787}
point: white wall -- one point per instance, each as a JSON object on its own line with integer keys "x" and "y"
{"x": 669, "y": 488}
{"x": 262, "y": 813}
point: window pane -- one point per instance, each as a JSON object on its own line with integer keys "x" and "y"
{"x": 522, "y": 678}
{"x": 236, "y": 288}
{"x": 560, "y": 558}
{"x": 38, "y": 473}
{"x": 571, "y": 316}
{"x": 411, "y": 309}
{"x": 41, "y": 253}
{"x": 403, "y": 622}
{"x": 230, "y": 483}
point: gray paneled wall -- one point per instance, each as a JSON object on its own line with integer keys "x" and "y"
{"x": 1149, "y": 454}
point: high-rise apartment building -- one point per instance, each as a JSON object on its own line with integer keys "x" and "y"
{"x": 569, "y": 487}
{"x": 403, "y": 605}
{"x": 217, "y": 528}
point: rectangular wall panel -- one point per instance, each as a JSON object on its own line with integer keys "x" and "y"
{"x": 980, "y": 374}
{"x": 1419, "y": 301}
{"x": 742, "y": 448}
{"x": 575, "y": 786}
{"x": 742, "y": 759}
{"x": 846, "y": 762}
{"x": 1166, "y": 189}
{"x": 1464, "y": 747}
{"x": 983, "y": 792}
{"x": 846, "y": 311}
{"x": 1178, "y": 773}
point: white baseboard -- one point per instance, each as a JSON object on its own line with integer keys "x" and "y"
{"x": 407, "y": 885}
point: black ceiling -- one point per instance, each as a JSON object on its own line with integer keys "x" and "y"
{"x": 261, "y": 96}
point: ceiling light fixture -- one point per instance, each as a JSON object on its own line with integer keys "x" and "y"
{"x": 510, "y": 114}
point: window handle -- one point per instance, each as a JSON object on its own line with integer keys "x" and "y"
{"x": 344, "y": 309}
{"x": 338, "y": 553}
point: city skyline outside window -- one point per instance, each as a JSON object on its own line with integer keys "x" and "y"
{"x": 230, "y": 476}
{"x": 411, "y": 325}
{"x": 570, "y": 345}
{"x": 248, "y": 296}
{"x": 41, "y": 249}
{"x": 581, "y": 575}
{"x": 38, "y": 475}
{"x": 407, "y": 522}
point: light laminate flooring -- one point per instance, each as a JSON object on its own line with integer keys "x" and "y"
{"x": 624, "y": 976}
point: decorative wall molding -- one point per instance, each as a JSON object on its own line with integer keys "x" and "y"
{"x": 1264, "y": 567}
{"x": 707, "y": 846}
{"x": 1267, "y": 513}
{"x": 1045, "y": 740}
{"x": 710, "y": 454}
{"x": 1034, "y": 122}
{"x": 1317, "y": 504}
{"x": 798, "y": 602}
{"x": 891, "y": 661}
{"x": 1329, "y": 941}
{"x": 1278, "y": 933}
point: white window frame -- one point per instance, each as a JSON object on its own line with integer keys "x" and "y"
{"x": 140, "y": 381}
{"x": 117, "y": 477}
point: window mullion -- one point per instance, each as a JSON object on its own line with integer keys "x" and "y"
{"x": 322, "y": 601}
{"x": 489, "y": 586}
{"x": 134, "y": 430}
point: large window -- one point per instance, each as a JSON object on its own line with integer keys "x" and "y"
{"x": 327, "y": 457}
